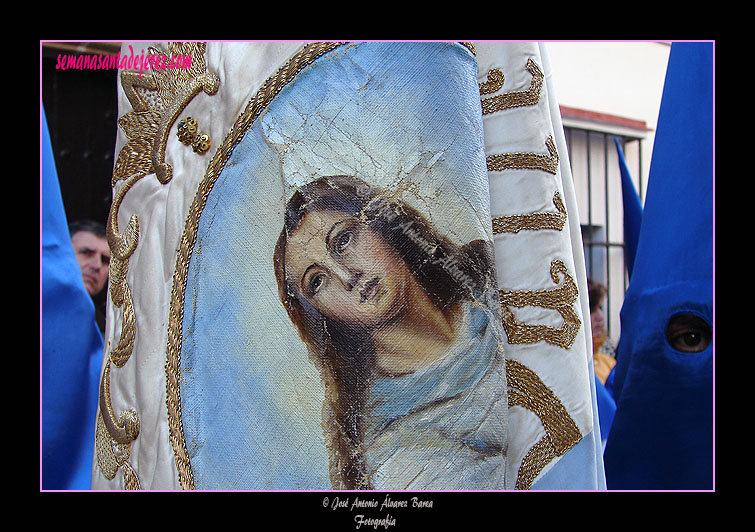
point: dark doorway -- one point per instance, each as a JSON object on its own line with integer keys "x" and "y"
{"x": 81, "y": 107}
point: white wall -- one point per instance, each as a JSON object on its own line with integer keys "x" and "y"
{"x": 618, "y": 78}
{"x": 622, "y": 79}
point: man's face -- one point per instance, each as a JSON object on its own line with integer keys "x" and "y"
{"x": 93, "y": 255}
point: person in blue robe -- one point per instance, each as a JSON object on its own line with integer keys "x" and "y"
{"x": 71, "y": 346}
{"x": 662, "y": 433}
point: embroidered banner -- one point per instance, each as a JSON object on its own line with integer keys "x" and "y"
{"x": 334, "y": 318}
{"x": 338, "y": 265}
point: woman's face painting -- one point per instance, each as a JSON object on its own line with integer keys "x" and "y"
{"x": 345, "y": 269}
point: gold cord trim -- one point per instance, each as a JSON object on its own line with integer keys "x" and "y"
{"x": 156, "y": 99}
{"x": 130, "y": 478}
{"x": 561, "y": 432}
{"x": 559, "y": 299}
{"x": 537, "y": 221}
{"x": 519, "y": 161}
{"x": 255, "y": 106}
{"x": 510, "y": 100}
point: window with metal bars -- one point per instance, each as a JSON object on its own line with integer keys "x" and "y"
{"x": 597, "y": 181}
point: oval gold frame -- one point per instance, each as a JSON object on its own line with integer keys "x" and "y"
{"x": 262, "y": 98}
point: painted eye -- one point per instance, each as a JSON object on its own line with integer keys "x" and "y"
{"x": 342, "y": 241}
{"x": 315, "y": 283}
{"x": 688, "y": 333}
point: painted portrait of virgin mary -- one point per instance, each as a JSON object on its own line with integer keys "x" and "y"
{"x": 340, "y": 322}
{"x": 398, "y": 320}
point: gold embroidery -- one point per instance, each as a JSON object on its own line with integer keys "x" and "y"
{"x": 494, "y": 82}
{"x": 188, "y": 133}
{"x": 510, "y": 100}
{"x": 533, "y": 161}
{"x": 201, "y": 143}
{"x": 560, "y": 299}
{"x": 175, "y": 88}
{"x": 124, "y": 428}
{"x": 156, "y": 99}
{"x": 536, "y": 221}
{"x": 470, "y": 47}
{"x": 110, "y": 453}
{"x": 113, "y": 439}
{"x": 255, "y": 106}
{"x": 187, "y": 130}
{"x": 525, "y": 389}
{"x": 112, "y": 456}
{"x": 561, "y": 432}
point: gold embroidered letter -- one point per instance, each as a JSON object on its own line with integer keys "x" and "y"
{"x": 561, "y": 432}
{"x": 532, "y": 161}
{"x": 536, "y": 221}
{"x": 509, "y": 100}
{"x": 559, "y": 299}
